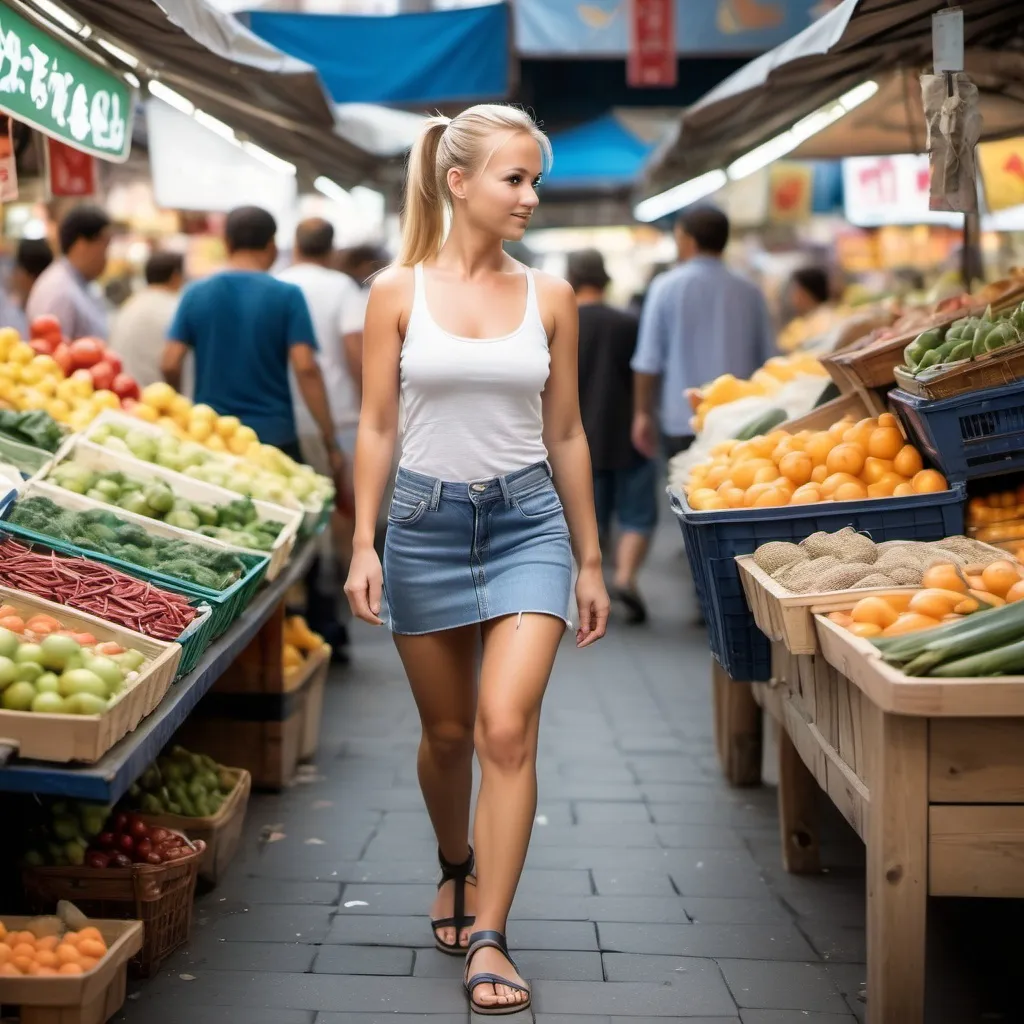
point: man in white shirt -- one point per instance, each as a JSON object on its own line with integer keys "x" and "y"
{"x": 336, "y": 305}
{"x": 139, "y": 330}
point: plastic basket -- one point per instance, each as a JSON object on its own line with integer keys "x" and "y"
{"x": 226, "y": 605}
{"x": 24, "y": 457}
{"x": 158, "y": 895}
{"x": 973, "y": 435}
{"x": 714, "y": 539}
{"x": 98, "y": 458}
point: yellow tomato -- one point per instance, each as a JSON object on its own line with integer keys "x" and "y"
{"x": 106, "y": 400}
{"x": 145, "y": 412}
{"x": 227, "y": 425}
{"x": 200, "y": 430}
{"x": 20, "y": 353}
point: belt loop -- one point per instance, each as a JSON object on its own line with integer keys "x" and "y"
{"x": 503, "y": 484}
{"x": 547, "y": 466}
{"x": 435, "y": 496}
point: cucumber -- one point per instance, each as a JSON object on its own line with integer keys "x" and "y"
{"x": 1008, "y": 660}
{"x": 764, "y": 423}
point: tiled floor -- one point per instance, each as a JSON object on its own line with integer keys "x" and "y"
{"x": 652, "y": 891}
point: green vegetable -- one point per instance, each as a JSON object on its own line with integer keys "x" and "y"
{"x": 762, "y": 424}
{"x": 1008, "y": 660}
{"x": 35, "y": 428}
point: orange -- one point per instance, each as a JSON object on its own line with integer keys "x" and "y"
{"x": 49, "y": 942}
{"x": 6, "y": 610}
{"x": 754, "y": 491}
{"x": 5, "y": 952}
{"x": 91, "y": 932}
{"x": 23, "y": 963}
{"x": 886, "y": 419}
{"x": 8, "y": 970}
{"x": 808, "y": 494}
{"x": 796, "y": 467}
{"x": 743, "y": 473}
{"x": 45, "y": 958}
{"x": 818, "y": 447}
{"x": 903, "y": 491}
{"x": 859, "y": 434}
{"x": 828, "y": 488}
{"x": 71, "y": 968}
{"x": 771, "y": 498}
{"x": 89, "y": 962}
{"x": 819, "y": 474}
{"x": 27, "y": 937}
{"x": 731, "y": 494}
{"x": 907, "y": 461}
{"x": 943, "y": 576}
{"x": 24, "y": 949}
{"x": 846, "y": 458}
{"x": 1000, "y": 577}
{"x": 850, "y": 491}
{"x": 929, "y": 481}
{"x": 875, "y": 610}
{"x": 878, "y": 491}
{"x": 866, "y": 629}
{"x": 47, "y": 972}
{"x": 885, "y": 442}
{"x": 66, "y": 953}
{"x": 1015, "y": 593}
{"x": 875, "y": 469}
{"x": 766, "y": 475}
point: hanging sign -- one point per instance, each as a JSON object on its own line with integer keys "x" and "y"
{"x": 70, "y": 171}
{"x": 1002, "y": 170}
{"x": 60, "y": 92}
{"x": 8, "y": 170}
{"x": 652, "y": 44}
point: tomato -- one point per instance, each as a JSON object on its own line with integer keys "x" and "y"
{"x": 102, "y": 375}
{"x": 114, "y": 359}
{"x": 43, "y": 346}
{"x": 86, "y": 352}
{"x": 124, "y": 386}
{"x": 45, "y": 327}
{"x": 62, "y": 356}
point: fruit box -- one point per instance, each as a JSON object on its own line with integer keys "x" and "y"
{"x": 100, "y": 459}
{"x": 90, "y": 998}
{"x": 61, "y": 738}
{"x": 222, "y": 832}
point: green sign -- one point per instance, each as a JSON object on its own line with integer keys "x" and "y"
{"x": 62, "y": 93}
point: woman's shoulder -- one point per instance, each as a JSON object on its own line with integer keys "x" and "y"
{"x": 551, "y": 287}
{"x": 394, "y": 283}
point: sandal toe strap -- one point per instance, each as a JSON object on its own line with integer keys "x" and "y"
{"x": 452, "y": 922}
{"x": 494, "y": 979}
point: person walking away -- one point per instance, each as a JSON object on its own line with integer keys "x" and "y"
{"x": 31, "y": 258}
{"x": 808, "y": 290}
{"x": 139, "y": 329}
{"x": 625, "y": 481}
{"x": 245, "y": 329}
{"x": 700, "y": 320}
{"x": 478, "y": 548}
{"x": 336, "y": 304}
{"x": 62, "y": 289}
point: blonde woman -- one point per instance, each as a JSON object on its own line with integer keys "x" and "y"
{"x": 478, "y": 547}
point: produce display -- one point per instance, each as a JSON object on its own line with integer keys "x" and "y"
{"x": 235, "y": 523}
{"x": 49, "y": 670}
{"x": 35, "y": 428}
{"x": 97, "y": 589}
{"x": 299, "y": 643}
{"x": 998, "y": 518}
{"x": 103, "y": 531}
{"x": 769, "y": 379}
{"x": 48, "y": 952}
{"x": 848, "y": 560}
{"x": 937, "y": 349}
{"x": 266, "y": 473}
{"x": 180, "y": 782}
{"x": 848, "y": 462}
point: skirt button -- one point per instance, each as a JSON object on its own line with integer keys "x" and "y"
{"x": 479, "y": 487}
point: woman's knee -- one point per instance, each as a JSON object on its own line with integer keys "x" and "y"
{"x": 505, "y": 739}
{"x": 450, "y": 743}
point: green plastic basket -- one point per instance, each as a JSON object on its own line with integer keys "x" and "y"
{"x": 226, "y": 605}
{"x": 197, "y": 637}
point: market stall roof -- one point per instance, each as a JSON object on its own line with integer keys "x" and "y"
{"x": 212, "y": 60}
{"x": 859, "y": 41}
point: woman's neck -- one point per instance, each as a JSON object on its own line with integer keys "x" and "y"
{"x": 470, "y": 253}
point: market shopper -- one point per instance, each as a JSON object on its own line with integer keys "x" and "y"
{"x": 139, "y": 329}
{"x": 31, "y": 258}
{"x": 809, "y": 289}
{"x": 700, "y": 320}
{"x": 477, "y": 546}
{"x": 62, "y": 290}
{"x": 625, "y": 481}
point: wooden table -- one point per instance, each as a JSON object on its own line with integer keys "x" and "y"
{"x": 929, "y": 772}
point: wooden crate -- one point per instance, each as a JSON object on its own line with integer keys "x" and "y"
{"x": 314, "y": 677}
{"x": 87, "y": 738}
{"x": 788, "y": 617}
{"x": 852, "y": 404}
{"x": 90, "y": 998}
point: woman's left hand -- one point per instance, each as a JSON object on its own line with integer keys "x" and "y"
{"x": 594, "y": 605}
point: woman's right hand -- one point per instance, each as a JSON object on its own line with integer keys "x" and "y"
{"x": 364, "y": 585}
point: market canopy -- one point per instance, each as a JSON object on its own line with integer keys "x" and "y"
{"x": 216, "y": 63}
{"x": 860, "y": 41}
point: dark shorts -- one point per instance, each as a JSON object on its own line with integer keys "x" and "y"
{"x": 629, "y": 496}
{"x": 672, "y": 445}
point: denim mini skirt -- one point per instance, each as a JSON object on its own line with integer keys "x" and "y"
{"x": 460, "y": 553}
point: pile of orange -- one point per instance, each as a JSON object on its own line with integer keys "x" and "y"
{"x": 21, "y": 953}
{"x": 848, "y": 462}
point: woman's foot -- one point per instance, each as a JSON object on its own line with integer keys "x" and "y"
{"x": 444, "y": 907}
{"x": 488, "y": 994}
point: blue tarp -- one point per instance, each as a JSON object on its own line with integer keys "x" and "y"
{"x": 599, "y": 154}
{"x": 437, "y": 57}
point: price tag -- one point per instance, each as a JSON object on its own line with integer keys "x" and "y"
{"x": 948, "y": 40}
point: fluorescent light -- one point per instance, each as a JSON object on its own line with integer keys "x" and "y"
{"x": 270, "y": 159}
{"x": 115, "y": 51}
{"x": 855, "y": 97}
{"x": 215, "y": 125}
{"x": 331, "y": 189}
{"x": 59, "y": 15}
{"x": 171, "y": 98}
{"x": 679, "y": 196}
{"x": 132, "y": 79}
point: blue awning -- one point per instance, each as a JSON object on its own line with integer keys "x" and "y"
{"x": 601, "y": 154}
{"x": 436, "y": 57}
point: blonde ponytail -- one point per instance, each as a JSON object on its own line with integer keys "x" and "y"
{"x": 442, "y": 145}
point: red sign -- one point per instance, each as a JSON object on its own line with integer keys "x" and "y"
{"x": 652, "y": 44}
{"x": 71, "y": 172}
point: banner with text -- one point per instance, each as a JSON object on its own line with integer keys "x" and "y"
{"x": 652, "y": 44}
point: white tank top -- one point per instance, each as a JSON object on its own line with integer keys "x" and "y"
{"x": 472, "y": 406}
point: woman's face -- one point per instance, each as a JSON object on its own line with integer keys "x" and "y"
{"x": 501, "y": 196}
{"x": 801, "y": 300}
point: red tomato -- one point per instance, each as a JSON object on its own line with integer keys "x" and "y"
{"x": 86, "y": 352}
{"x": 43, "y": 346}
{"x": 114, "y": 359}
{"x": 124, "y": 386}
{"x": 62, "y": 354}
{"x": 44, "y": 327}
{"x": 102, "y": 375}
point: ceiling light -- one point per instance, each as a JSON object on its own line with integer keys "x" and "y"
{"x": 132, "y": 80}
{"x": 270, "y": 159}
{"x": 171, "y": 98}
{"x": 679, "y": 196}
{"x": 331, "y": 189}
{"x": 59, "y": 15}
{"x": 215, "y": 125}
{"x": 115, "y": 51}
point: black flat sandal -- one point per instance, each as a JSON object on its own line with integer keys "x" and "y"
{"x": 492, "y": 940}
{"x": 457, "y": 873}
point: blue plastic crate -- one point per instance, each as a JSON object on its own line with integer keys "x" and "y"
{"x": 980, "y": 433}
{"x": 714, "y": 539}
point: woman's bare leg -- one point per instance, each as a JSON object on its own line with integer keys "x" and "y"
{"x": 519, "y": 652}
{"x": 441, "y": 670}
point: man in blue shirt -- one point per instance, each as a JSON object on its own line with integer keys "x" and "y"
{"x": 700, "y": 320}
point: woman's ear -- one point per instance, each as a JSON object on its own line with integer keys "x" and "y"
{"x": 457, "y": 183}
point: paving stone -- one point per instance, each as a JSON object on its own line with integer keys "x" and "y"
{"x": 700, "y": 836}
{"x": 382, "y": 899}
{"x": 778, "y": 942}
{"x": 296, "y": 958}
{"x": 733, "y": 910}
{"x": 662, "y": 768}
{"x": 835, "y": 943}
{"x": 363, "y": 960}
{"x": 242, "y": 888}
{"x": 706, "y": 992}
{"x": 571, "y": 935}
{"x": 167, "y": 1012}
{"x": 640, "y": 835}
{"x": 596, "y": 813}
{"x": 623, "y": 999}
{"x": 534, "y": 965}
{"x": 371, "y": 930}
{"x": 638, "y": 909}
{"x": 390, "y": 1018}
{"x": 772, "y": 985}
{"x": 271, "y": 923}
{"x": 786, "y": 1017}
{"x": 609, "y": 882}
